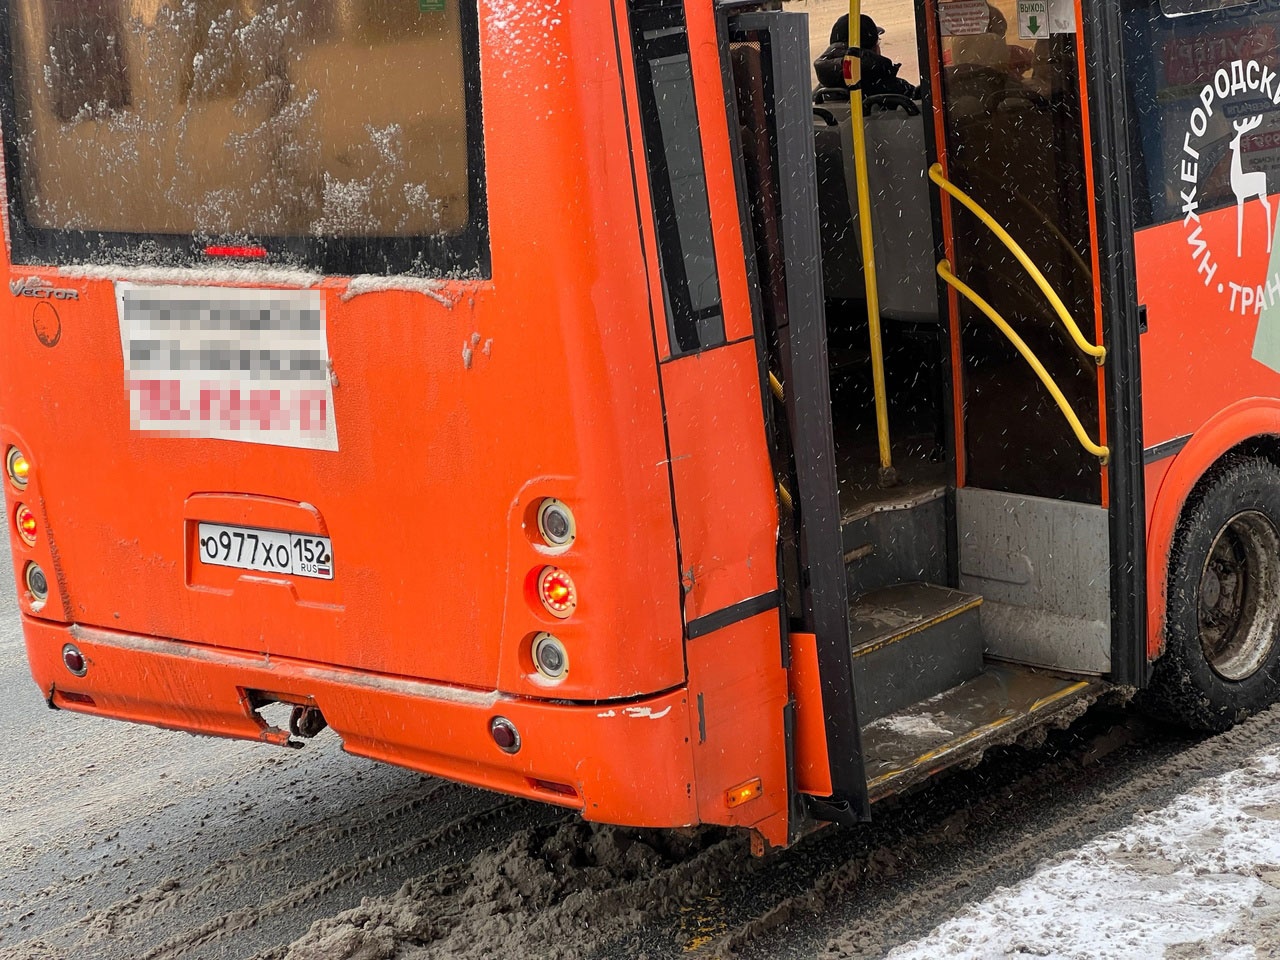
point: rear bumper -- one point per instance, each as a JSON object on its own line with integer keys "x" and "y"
{"x": 626, "y": 764}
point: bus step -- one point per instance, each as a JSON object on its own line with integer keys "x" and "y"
{"x": 893, "y": 537}
{"x": 996, "y": 707}
{"x": 911, "y": 641}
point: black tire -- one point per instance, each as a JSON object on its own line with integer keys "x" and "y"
{"x": 1221, "y": 661}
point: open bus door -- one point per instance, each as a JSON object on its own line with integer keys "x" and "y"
{"x": 767, "y": 71}
{"x": 980, "y": 576}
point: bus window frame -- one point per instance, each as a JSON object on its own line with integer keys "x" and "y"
{"x": 466, "y": 252}
{"x": 652, "y": 40}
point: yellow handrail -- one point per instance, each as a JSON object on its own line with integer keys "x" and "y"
{"x": 1099, "y": 352}
{"x": 944, "y": 271}
{"x": 888, "y": 476}
{"x": 784, "y": 495}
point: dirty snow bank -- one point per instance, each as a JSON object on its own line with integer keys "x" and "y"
{"x": 551, "y": 892}
{"x": 1198, "y": 878}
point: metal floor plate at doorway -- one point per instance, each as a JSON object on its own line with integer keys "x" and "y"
{"x": 994, "y": 707}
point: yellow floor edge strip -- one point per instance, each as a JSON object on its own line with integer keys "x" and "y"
{"x": 940, "y": 618}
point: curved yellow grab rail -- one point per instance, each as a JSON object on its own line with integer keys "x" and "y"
{"x": 1101, "y": 452}
{"x": 1099, "y": 353}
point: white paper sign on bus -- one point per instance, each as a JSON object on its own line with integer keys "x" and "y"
{"x": 1033, "y": 19}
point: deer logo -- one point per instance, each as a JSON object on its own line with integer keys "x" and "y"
{"x": 1247, "y": 185}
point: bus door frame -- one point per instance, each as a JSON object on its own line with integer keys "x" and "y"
{"x": 1105, "y": 133}
{"x": 807, "y": 397}
{"x": 1107, "y": 107}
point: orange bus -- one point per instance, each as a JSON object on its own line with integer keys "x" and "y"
{"x": 565, "y": 398}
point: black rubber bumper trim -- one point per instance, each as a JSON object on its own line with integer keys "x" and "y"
{"x": 1167, "y": 449}
{"x": 743, "y": 610}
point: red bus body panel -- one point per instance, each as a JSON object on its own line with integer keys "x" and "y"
{"x": 1199, "y": 377}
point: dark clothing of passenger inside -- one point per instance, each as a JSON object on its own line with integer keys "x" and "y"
{"x": 879, "y": 73}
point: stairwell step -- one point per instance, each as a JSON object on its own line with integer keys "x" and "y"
{"x": 893, "y": 613}
{"x": 910, "y": 642}
{"x": 900, "y": 538}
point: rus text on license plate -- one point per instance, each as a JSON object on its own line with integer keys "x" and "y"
{"x": 268, "y": 551}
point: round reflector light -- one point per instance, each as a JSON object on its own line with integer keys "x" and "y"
{"x": 557, "y": 591}
{"x": 556, "y": 523}
{"x": 550, "y": 656}
{"x": 25, "y": 520}
{"x": 18, "y": 468}
{"x": 74, "y": 660}
{"x": 505, "y": 734}
{"x": 36, "y": 582}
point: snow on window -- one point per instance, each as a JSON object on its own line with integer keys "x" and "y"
{"x": 289, "y": 118}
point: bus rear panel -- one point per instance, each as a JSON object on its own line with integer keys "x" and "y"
{"x": 331, "y": 383}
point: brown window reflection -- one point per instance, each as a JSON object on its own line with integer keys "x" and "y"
{"x": 87, "y": 74}
{"x": 270, "y": 118}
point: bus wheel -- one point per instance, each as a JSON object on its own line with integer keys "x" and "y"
{"x": 1222, "y": 650}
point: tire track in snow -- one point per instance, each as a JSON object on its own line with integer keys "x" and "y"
{"x": 267, "y": 858}
{"x": 269, "y": 892}
{"x": 271, "y": 855}
{"x": 245, "y": 917}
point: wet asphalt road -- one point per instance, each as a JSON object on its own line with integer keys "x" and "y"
{"x": 121, "y": 841}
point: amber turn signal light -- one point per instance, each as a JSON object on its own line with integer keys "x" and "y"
{"x": 18, "y": 468}
{"x": 737, "y": 796}
{"x": 556, "y": 523}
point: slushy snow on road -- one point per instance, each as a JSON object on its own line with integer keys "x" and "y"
{"x": 1197, "y": 878}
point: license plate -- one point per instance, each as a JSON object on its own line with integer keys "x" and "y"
{"x": 267, "y": 551}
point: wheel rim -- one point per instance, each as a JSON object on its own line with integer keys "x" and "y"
{"x": 1239, "y": 596}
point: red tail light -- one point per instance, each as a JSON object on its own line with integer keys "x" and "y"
{"x": 25, "y": 520}
{"x": 557, "y": 591}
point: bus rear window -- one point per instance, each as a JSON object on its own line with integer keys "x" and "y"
{"x": 338, "y": 134}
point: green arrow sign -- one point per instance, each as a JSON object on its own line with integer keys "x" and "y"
{"x": 1034, "y": 24}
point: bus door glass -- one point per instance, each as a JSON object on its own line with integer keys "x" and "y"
{"x": 1012, "y": 123}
